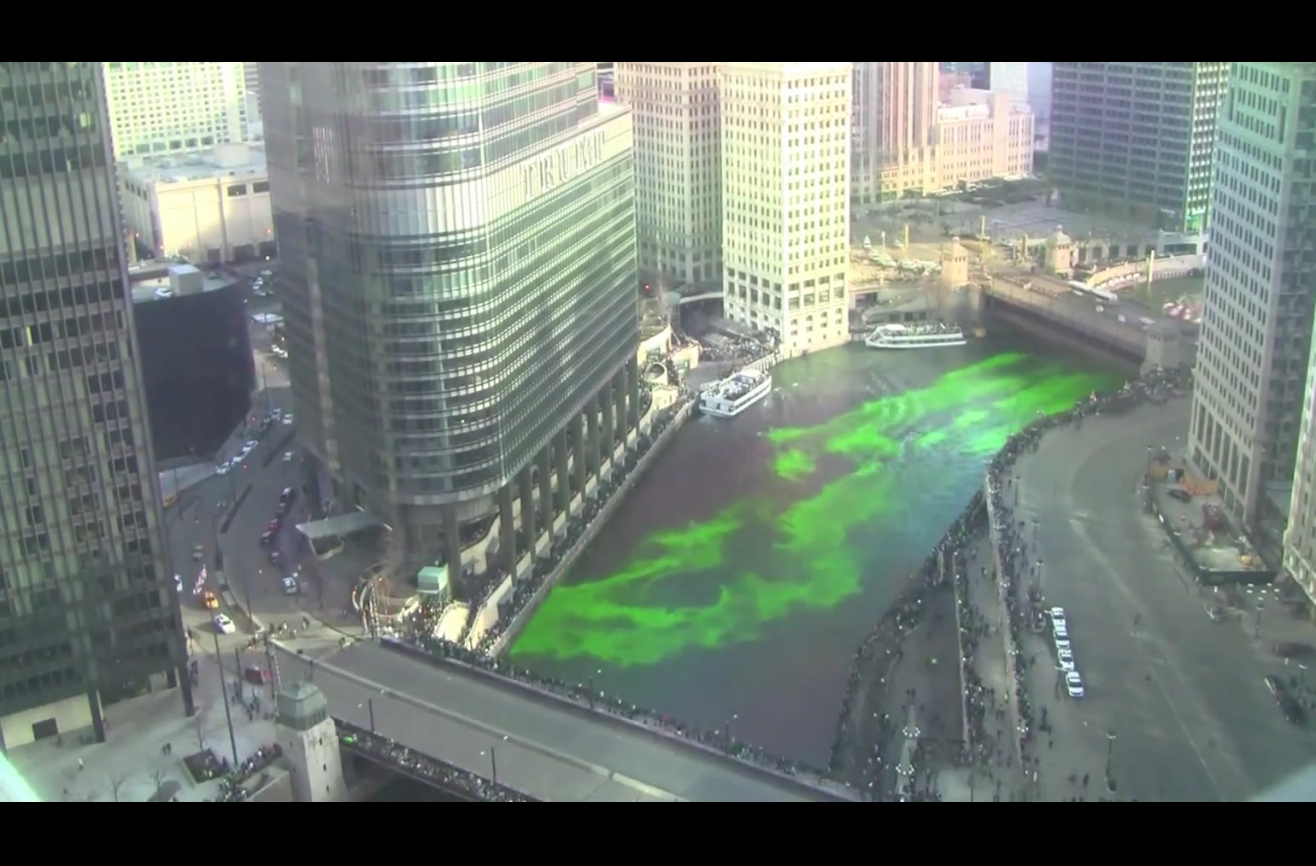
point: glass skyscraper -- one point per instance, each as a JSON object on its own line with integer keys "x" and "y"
{"x": 88, "y": 611}
{"x": 1137, "y": 138}
{"x": 458, "y": 243}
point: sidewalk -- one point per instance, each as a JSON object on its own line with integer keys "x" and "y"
{"x": 992, "y": 667}
{"x": 131, "y": 765}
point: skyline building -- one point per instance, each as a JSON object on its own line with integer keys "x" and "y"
{"x": 786, "y": 200}
{"x": 457, "y": 251}
{"x": 159, "y": 109}
{"x": 1136, "y": 139}
{"x": 1029, "y": 83}
{"x": 678, "y": 169}
{"x": 88, "y": 608}
{"x": 894, "y": 118}
{"x": 1254, "y": 350}
{"x": 979, "y": 135}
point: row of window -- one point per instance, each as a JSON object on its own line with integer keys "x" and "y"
{"x": 47, "y": 332}
{"x": 60, "y": 160}
{"x": 58, "y": 265}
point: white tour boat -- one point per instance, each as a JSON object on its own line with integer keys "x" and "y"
{"x": 728, "y": 397}
{"x": 924, "y": 335}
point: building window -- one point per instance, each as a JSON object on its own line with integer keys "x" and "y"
{"x": 237, "y": 189}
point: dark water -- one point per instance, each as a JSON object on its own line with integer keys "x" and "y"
{"x": 733, "y": 585}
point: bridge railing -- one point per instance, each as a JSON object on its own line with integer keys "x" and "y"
{"x": 1126, "y": 337}
{"x": 717, "y": 746}
{"x": 425, "y": 768}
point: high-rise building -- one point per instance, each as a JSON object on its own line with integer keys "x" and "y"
{"x": 1257, "y": 306}
{"x": 894, "y": 117}
{"x": 251, "y": 77}
{"x": 981, "y": 134}
{"x": 1027, "y": 82}
{"x": 1136, "y": 138}
{"x": 175, "y": 107}
{"x": 457, "y": 250}
{"x": 785, "y": 199}
{"x": 1009, "y": 78}
{"x": 88, "y": 606}
{"x": 678, "y": 169}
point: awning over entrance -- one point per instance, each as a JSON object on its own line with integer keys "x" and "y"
{"x": 339, "y": 525}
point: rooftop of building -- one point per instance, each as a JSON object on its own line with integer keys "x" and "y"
{"x": 149, "y": 279}
{"x": 238, "y": 161}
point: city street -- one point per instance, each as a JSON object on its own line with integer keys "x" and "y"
{"x": 200, "y": 518}
{"x": 1176, "y": 702}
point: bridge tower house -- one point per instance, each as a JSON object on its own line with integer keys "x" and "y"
{"x": 1061, "y": 253}
{"x": 309, "y": 739}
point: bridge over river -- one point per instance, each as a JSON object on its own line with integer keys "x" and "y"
{"x": 545, "y": 746}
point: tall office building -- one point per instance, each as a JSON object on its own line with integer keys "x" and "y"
{"x": 678, "y": 169}
{"x": 175, "y": 107}
{"x": 457, "y": 243}
{"x": 1136, "y": 138}
{"x": 1010, "y": 78}
{"x": 785, "y": 199}
{"x": 894, "y": 116}
{"x": 1257, "y": 320}
{"x": 88, "y": 609}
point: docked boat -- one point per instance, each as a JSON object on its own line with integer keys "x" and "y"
{"x": 924, "y": 335}
{"x": 728, "y": 397}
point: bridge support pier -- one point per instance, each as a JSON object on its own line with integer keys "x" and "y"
{"x": 606, "y": 404}
{"x": 452, "y": 543}
{"x": 633, "y": 393}
{"x": 529, "y": 529}
{"x": 560, "y": 452}
{"x": 506, "y": 527}
{"x": 619, "y": 394}
{"x": 546, "y": 490}
{"x": 593, "y": 457}
{"x": 576, "y": 433}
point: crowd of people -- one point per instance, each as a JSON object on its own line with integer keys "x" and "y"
{"x": 887, "y": 639}
{"x": 986, "y": 713}
{"x": 236, "y": 785}
{"x": 588, "y": 696}
{"x": 1015, "y": 550}
{"x": 445, "y": 776}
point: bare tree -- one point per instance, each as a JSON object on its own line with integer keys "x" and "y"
{"x": 116, "y": 785}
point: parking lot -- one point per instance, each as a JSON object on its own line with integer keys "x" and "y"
{"x": 1176, "y": 701}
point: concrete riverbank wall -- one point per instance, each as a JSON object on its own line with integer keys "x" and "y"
{"x": 522, "y": 618}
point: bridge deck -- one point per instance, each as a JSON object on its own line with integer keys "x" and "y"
{"x": 544, "y": 747}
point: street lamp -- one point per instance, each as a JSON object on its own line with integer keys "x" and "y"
{"x": 1110, "y": 752}
{"x": 369, "y": 707}
{"x": 493, "y": 760}
{"x": 1256, "y": 626}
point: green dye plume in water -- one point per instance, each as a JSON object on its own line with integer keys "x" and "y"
{"x": 632, "y": 617}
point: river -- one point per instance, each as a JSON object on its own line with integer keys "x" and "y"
{"x": 733, "y": 585}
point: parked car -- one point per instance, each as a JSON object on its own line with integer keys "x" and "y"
{"x": 224, "y": 625}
